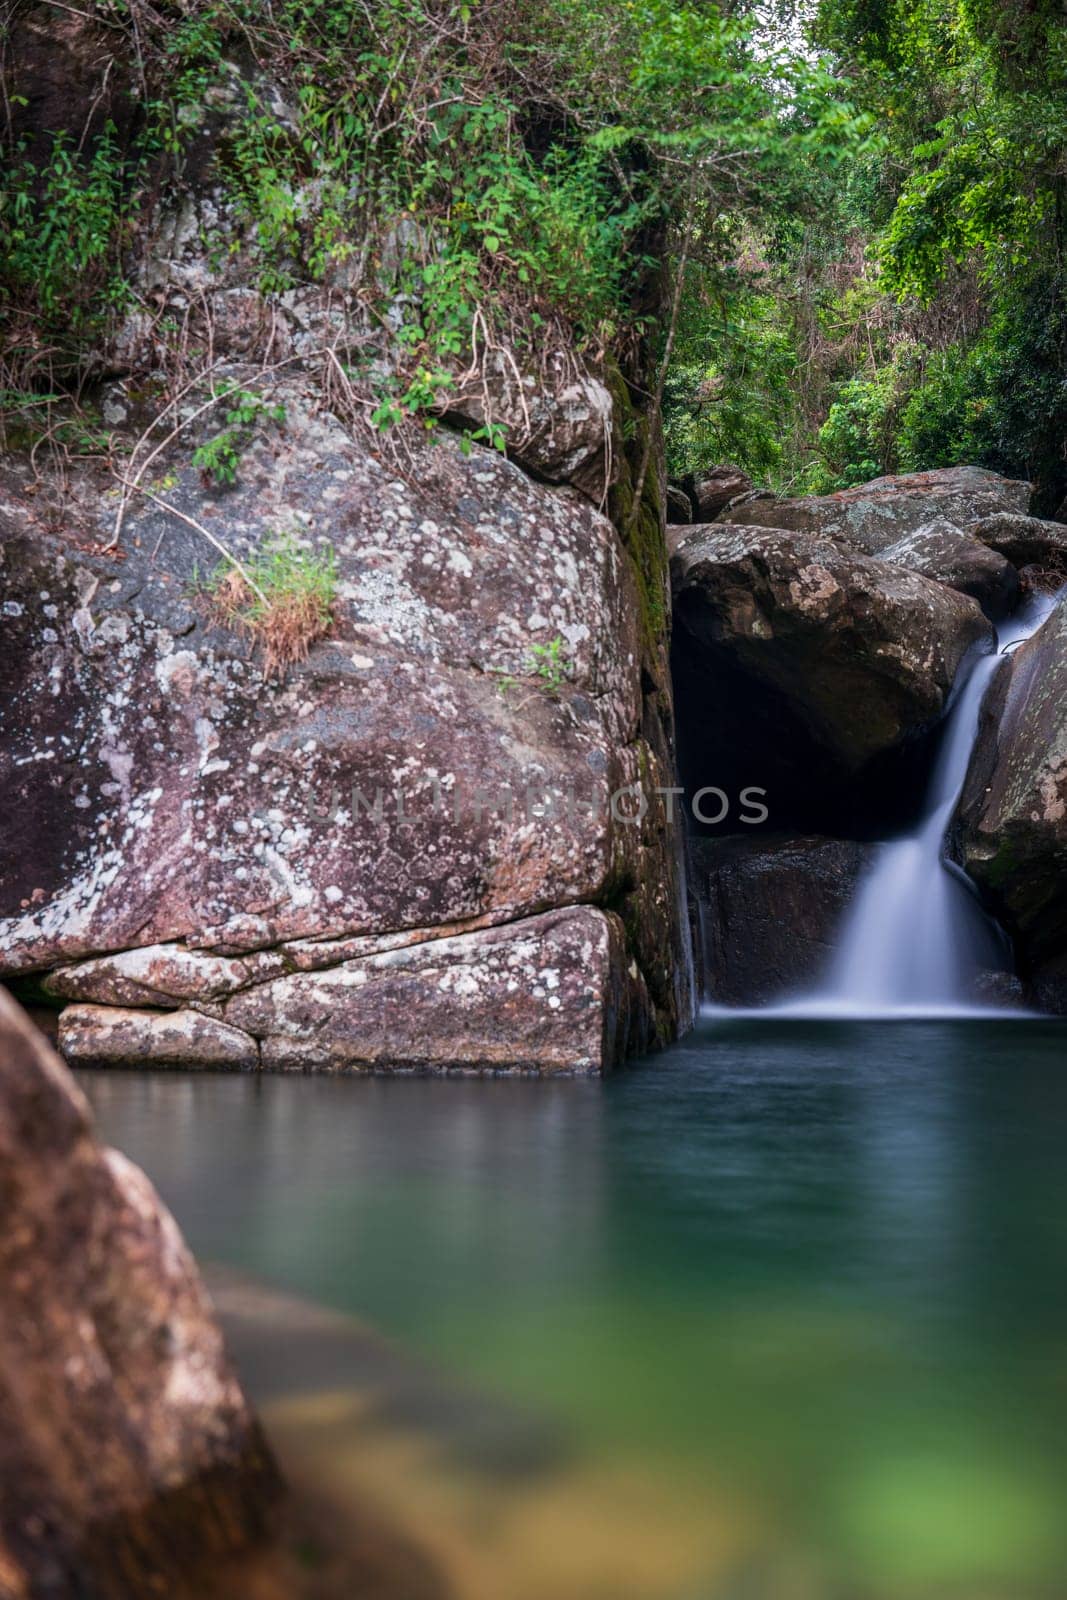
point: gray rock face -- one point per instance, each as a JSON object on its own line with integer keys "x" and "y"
{"x": 939, "y": 550}
{"x": 771, "y": 908}
{"x": 415, "y": 773}
{"x": 128, "y": 1455}
{"x": 547, "y": 994}
{"x": 557, "y": 425}
{"x": 1013, "y": 813}
{"x": 876, "y": 515}
{"x": 861, "y": 654}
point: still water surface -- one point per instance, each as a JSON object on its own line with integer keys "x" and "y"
{"x": 810, "y": 1276}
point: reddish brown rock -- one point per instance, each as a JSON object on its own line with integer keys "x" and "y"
{"x": 128, "y": 1455}
{"x": 418, "y": 772}
{"x": 711, "y": 492}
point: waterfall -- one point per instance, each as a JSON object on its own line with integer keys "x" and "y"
{"x": 915, "y": 937}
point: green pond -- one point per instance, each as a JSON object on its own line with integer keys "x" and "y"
{"x": 814, "y": 1270}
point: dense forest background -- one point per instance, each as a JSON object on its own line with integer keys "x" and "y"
{"x": 911, "y": 313}
{"x": 828, "y": 238}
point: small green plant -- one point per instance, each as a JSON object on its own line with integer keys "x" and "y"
{"x": 283, "y": 597}
{"x": 494, "y": 434}
{"x": 219, "y": 457}
{"x": 422, "y": 393}
{"x": 549, "y": 664}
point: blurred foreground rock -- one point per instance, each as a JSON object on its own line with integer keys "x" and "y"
{"x": 129, "y": 1458}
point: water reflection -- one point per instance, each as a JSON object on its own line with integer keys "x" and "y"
{"x": 803, "y": 1280}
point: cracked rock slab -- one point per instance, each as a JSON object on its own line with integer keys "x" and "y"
{"x": 548, "y": 994}
{"x": 551, "y": 993}
{"x": 117, "y": 1036}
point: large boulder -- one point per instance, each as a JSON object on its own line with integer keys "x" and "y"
{"x": 850, "y": 657}
{"x": 129, "y": 1459}
{"x": 940, "y": 551}
{"x": 771, "y": 908}
{"x": 1028, "y": 542}
{"x": 425, "y": 771}
{"x": 873, "y": 516}
{"x": 679, "y": 507}
{"x": 1013, "y": 814}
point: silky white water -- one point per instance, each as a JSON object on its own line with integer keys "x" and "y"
{"x": 915, "y": 937}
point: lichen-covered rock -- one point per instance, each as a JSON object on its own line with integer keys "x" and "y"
{"x": 553, "y": 993}
{"x": 116, "y": 1036}
{"x": 161, "y": 975}
{"x": 548, "y": 994}
{"x": 128, "y": 1455}
{"x": 860, "y": 655}
{"x": 939, "y": 550}
{"x": 418, "y": 772}
{"x": 1013, "y": 813}
{"x": 875, "y": 515}
{"x": 771, "y": 909}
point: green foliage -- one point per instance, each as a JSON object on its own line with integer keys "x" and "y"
{"x": 283, "y": 569}
{"x": 219, "y": 457}
{"x": 62, "y": 228}
{"x": 728, "y": 398}
{"x": 973, "y": 97}
{"x": 1000, "y": 400}
{"x": 484, "y": 173}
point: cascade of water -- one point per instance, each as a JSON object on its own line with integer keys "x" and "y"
{"x": 915, "y": 935}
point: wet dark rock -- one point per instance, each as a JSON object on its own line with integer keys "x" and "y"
{"x": 771, "y": 910}
{"x": 852, "y": 657}
{"x": 62, "y": 74}
{"x": 711, "y": 492}
{"x": 129, "y": 1458}
{"x": 679, "y": 506}
{"x": 1001, "y": 989}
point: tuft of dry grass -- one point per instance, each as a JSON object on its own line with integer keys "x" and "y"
{"x": 283, "y": 598}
